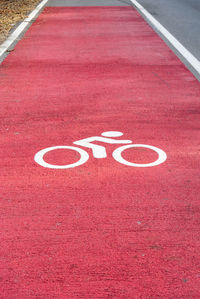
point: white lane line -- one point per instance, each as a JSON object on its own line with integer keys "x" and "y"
{"x": 195, "y": 63}
{"x": 13, "y": 36}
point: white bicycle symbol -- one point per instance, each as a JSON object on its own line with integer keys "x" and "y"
{"x": 100, "y": 151}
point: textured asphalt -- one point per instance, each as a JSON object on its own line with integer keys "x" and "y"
{"x": 180, "y": 17}
{"x": 104, "y": 229}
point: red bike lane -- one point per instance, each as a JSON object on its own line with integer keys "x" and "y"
{"x": 102, "y": 229}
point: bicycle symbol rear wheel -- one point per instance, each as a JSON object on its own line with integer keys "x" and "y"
{"x": 40, "y": 160}
{"x": 117, "y": 155}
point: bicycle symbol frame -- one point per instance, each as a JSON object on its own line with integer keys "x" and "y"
{"x": 99, "y": 151}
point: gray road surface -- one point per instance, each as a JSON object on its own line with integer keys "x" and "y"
{"x": 182, "y": 19}
{"x": 89, "y": 3}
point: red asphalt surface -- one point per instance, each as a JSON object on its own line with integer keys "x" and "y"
{"x": 103, "y": 229}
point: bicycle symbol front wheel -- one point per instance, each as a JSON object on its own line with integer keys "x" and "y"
{"x": 40, "y": 160}
{"x": 117, "y": 155}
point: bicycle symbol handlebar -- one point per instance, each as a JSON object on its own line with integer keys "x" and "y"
{"x": 100, "y": 151}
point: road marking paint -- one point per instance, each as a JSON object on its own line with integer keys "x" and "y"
{"x": 100, "y": 152}
{"x": 16, "y": 33}
{"x": 118, "y": 157}
{"x": 112, "y": 134}
{"x": 195, "y": 63}
{"x": 39, "y": 157}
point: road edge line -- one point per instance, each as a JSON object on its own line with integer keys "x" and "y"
{"x": 22, "y": 26}
{"x": 187, "y": 55}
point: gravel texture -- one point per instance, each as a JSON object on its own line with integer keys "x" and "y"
{"x": 12, "y": 12}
